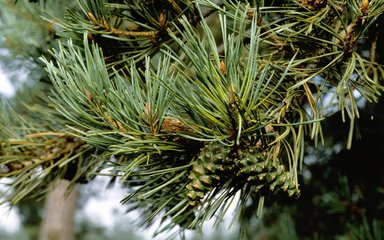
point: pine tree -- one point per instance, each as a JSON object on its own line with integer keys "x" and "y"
{"x": 191, "y": 105}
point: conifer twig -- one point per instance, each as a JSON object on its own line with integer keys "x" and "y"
{"x": 108, "y": 28}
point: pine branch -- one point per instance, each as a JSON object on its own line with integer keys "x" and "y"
{"x": 187, "y": 119}
{"x": 36, "y": 156}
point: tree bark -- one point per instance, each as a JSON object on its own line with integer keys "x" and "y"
{"x": 58, "y": 219}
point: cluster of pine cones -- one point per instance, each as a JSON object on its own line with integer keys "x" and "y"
{"x": 217, "y": 164}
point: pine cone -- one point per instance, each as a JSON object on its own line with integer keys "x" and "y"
{"x": 265, "y": 173}
{"x": 206, "y": 171}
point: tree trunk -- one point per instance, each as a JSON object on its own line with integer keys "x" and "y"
{"x": 58, "y": 219}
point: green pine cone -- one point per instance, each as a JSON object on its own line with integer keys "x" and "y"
{"x": 216, "y": 164}
{"x": 206, "y": 171}
{"x": 258, "y": 171}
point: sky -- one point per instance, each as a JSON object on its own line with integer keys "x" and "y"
{"x": 6, "y": 87}
{"x": 9, "y": 217}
